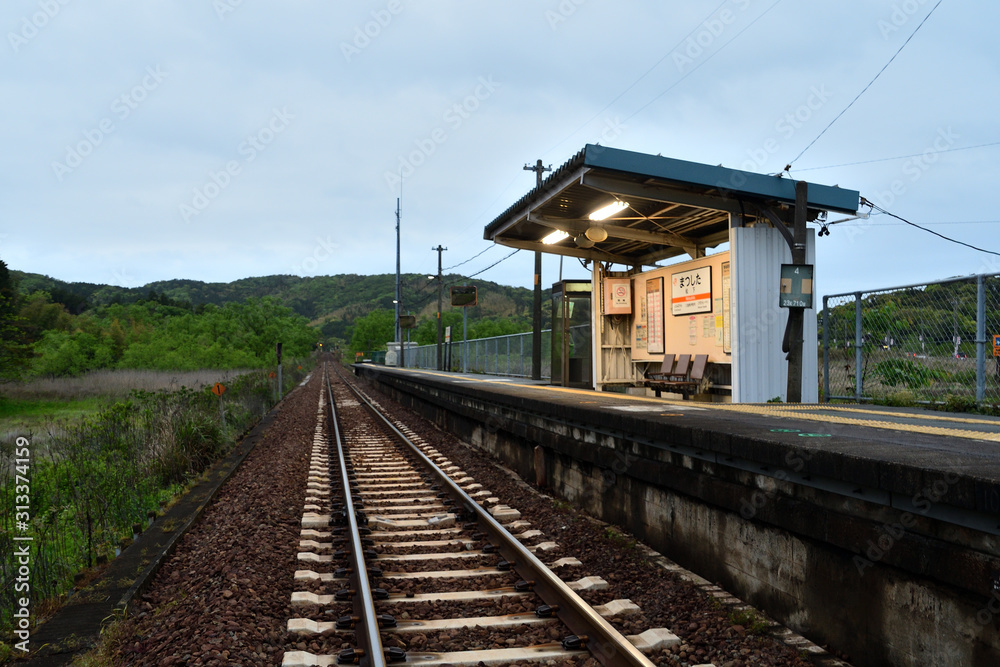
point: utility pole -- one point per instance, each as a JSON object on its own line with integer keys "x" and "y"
{"x": 796, "y": 316}
{"x": 440, "y": 338}
{"x": 399, "y": 337}
{"x": 536, "y": 310}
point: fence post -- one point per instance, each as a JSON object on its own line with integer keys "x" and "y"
{"x": 980, "y": 338}
{"x": 826, "y": 350}
{"x": 858, "y": 385}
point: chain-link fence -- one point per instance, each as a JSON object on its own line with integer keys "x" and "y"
{"x": 913, "y": 344}
{"x": 498, "y": 355}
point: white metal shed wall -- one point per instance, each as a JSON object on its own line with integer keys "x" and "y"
{"x": 760, "y": 370}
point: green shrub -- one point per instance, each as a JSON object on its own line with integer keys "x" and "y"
{"x": 894, "y": 372}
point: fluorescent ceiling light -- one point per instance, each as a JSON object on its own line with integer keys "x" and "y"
{"x": 609, "y": 210}
{"x": 555, "y": 237}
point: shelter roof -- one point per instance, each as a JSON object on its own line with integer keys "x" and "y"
{"x": 674, "y": 206}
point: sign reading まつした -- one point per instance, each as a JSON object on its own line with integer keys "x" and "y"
{"x": 691, "y": 291}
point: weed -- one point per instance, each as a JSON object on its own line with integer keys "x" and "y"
{"x": 114, "y": 631}
{"x": 901, "y": 399}
{"x": 754, "y": 623}
{"x": 953, "y": 403}
{"x": 618, "y": 539}
{"x": 170, "y": 525}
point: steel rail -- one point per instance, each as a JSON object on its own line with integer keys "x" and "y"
{"x": 605, "y": 643}
{"x": 367, "y": 635}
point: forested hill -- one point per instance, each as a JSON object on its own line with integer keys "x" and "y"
{"x": 331, "y": 302}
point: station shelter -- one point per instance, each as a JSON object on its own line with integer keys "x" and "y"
{"x": 627, "y": 214}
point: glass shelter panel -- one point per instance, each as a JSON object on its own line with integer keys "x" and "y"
{"x": 571, "y": 334}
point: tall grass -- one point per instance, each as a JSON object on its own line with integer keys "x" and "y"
{"x": 97, "y": 479}
{"x": 113, "y": 383}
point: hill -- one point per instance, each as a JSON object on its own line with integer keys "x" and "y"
{"x": 331, "y": 303}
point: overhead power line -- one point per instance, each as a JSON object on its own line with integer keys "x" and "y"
{"x": 640, "y": 78}
{"x": 506, "y": 257}
{"x": 854, "y": 223}
{"x": 449, "y": 268}
{"x": 703, "y": 62}
{"x": 901, "y": 157}
{"x": 865, "y": 89}
{"x": 865, "y": 202}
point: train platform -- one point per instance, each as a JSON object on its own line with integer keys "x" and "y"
{"x": 927, "y": 439}
{"x": 865, "y": 526}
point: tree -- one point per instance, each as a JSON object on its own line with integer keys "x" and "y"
{"x": 373, "y": 331}
{"x": 15, "y": 352}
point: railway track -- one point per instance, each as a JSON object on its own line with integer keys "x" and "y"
{"x": 407, "y": 559}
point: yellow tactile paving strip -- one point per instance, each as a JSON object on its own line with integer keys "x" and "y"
{"x": 802, "y": 412}
{"x": 807, "y": 412}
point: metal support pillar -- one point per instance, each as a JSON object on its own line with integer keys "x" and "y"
{"x": 980, "y": 338}
{"x": 858, "y": 388}
{"x": 826, "y": 349}
{"x": 440, "y": 325}
{"x": 536, "y": 310}
{"x": 399, "y": 336}
{"x": 796, "y": 316}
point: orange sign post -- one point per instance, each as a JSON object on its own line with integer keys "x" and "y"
{"x": 219, "y": 389}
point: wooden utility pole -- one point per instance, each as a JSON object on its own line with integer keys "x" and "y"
{"x": 796, "y": 316}
{"x": 440, "y": 357}
{"x": 536, "y": 310}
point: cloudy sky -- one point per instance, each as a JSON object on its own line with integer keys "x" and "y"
{"x": 220, "y": 139}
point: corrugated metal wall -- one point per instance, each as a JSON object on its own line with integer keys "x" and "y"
{"x": 760, "y": 370}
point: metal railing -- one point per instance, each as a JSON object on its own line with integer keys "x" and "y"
{"x": 915, "y": 343}
{"x": 508, "y": 355}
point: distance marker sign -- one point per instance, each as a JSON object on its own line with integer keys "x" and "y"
{"x": 218, "y": 389}
{"x": 796, "y": 289}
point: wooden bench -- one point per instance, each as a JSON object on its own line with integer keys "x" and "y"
{"x": 683, "y": 378}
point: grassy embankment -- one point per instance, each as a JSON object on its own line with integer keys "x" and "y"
{"x": 105, "y": 451}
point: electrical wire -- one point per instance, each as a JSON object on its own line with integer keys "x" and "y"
{"x": 855, "y": 223}
{"x": 901, "y": 157}
{"x": 449, "y": 268}
{"x": 865, "y": 89}
{"x": 702, "y": 63}
{"x": 641, "y": 77}
{"x": 471, "y": 275}
{"x": 875, "y": 207}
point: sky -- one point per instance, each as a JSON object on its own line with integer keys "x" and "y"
{"x": 221, "y": 139}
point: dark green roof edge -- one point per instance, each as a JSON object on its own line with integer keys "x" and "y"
{"x": 733, "y": 183}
